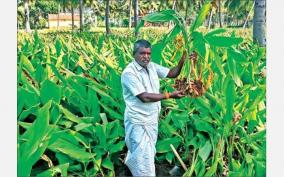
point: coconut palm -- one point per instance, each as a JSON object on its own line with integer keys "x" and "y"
{"x": 107, "y": 17}
{"x": 27, "y": 16}
{"x": 129, "y": 18}
{"x": 259, "y": 22}
{"x": 135, "y": 6}
{"x": 81, "y": 8}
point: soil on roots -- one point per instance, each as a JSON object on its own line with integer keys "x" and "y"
{"x": 193, "y": 88}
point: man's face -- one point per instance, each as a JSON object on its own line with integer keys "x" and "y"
{"x": 143, "y": 56}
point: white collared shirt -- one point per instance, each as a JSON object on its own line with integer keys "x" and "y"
{"x": 136, "y": 80}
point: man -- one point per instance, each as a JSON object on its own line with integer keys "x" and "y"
{"x": 140, "y": 84}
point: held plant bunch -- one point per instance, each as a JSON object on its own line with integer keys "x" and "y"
{"x": 192, "y": 81}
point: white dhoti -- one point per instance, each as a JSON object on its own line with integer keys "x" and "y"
{"x": 141, "y": 141}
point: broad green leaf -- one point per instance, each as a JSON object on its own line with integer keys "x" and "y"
{"x": 215, "y": 31}
{"x": 230, "y": 99}
{"x": 237, "y": 55}
{"x": 62, "y": 158}
{"x": 107, "y": 164}
{"x": 27, "y": 98}
{"x": 166, "y": 128}
{"x": 199, "y": 44}
{"x": 116, "y": 147}
{"x": 40, "y": 73}
{"x": 164, "y": 144}
{"x": 213, "y": 168}
{"x": 73, "y": 151}
{"x": 248, "y": 75}
{"x": 50, "y": 91}
{"x": 204, "y": 126}
{"x": 69, "y": 115}
{"x": 163, "y": 16}
{"x": 114, "y": 129}
{"x": 233, "y": 71}
{"x": 93, "y": 103}
{"x": 205, "y": 150}
{"x": 58, "y": 46}
{"x": 81, "y": 62}
{"x": 101, "y": 134}
{"x": 140, "y": 25}
{"x": 38, "y": 130}
{"x": 223, "y": 41}
{"x": 82, "y": 126}
{"x": 260, "y": 168}
{"x": 104, "y": 118}
{"x": 172, "y": 34}
{"x": 36, "y": 139}
{"x": 53, "y": 171}
{"x": 113, "y": 114}
{"x": 201, "y": 16}
{"x": 25, "y": 113}
{"x": 57, "y": 74}
{"x": 156, "y": 54}
{"x": 59, "y": 60}
{"x": 80, "y": 138}
{"x": 27, "y": 64}
{"x": 169, "y": 157}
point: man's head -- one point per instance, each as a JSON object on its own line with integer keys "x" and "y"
{"x": 142, "y": 52}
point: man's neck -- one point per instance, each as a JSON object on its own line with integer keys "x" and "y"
{"x": 145, "y": 67}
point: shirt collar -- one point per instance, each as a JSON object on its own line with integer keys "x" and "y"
{"x": 138, "y": 67}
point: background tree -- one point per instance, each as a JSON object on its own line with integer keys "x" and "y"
{"x": 259, "y": 22}
{"x": 220, "y": 13}
{"x": 107, "y": 17}
{"x": 130, "y": 12}
{"x": 237, "y": 11}
{"x": 81, "y": 9}
{"x": 27, "y": 16}
{"x": 135, "y": 5}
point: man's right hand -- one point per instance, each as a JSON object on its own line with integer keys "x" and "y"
{"x": 177, "y": 94}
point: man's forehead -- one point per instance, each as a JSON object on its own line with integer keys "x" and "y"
{"x": 144, "y": 49}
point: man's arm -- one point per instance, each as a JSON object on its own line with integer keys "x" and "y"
{"x": 153, "y": 97}
{"x": 174, "y": 72}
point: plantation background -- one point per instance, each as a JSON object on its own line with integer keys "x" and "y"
{"x": 70, "y": 106}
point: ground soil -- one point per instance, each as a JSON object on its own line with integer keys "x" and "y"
{"x": 162, "y": 170}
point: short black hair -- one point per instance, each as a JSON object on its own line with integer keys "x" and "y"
{"x": 141, "y": 43}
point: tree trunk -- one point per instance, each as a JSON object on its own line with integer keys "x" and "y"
{"x": 135, "y": 3}
{"x": 96, "y": 20}
{"x": 58, "y": 12}
{"x": 72, "y": 14}
{"x": 220, "y": 16}
{"x": 174, "y": 5}
{"x": 210, "y": 18}
{"x": 248, "y": 15}
{"x": 186, "y": 12}
{"x": 107, "y": 17}
{"x": 27, "y": 16}
{"x": 259, "y": 22}
{"x": 63, "y": 6}
{"x": 81, "y": 9}
{"x": 130, "y": 9}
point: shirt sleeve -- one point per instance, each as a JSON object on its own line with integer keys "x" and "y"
{"x": 161, "y": 70}
{"x": 132, "y": 83}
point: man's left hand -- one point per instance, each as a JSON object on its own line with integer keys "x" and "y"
{"x": 183, "y": 55}
{"x": 193, "y": 56}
